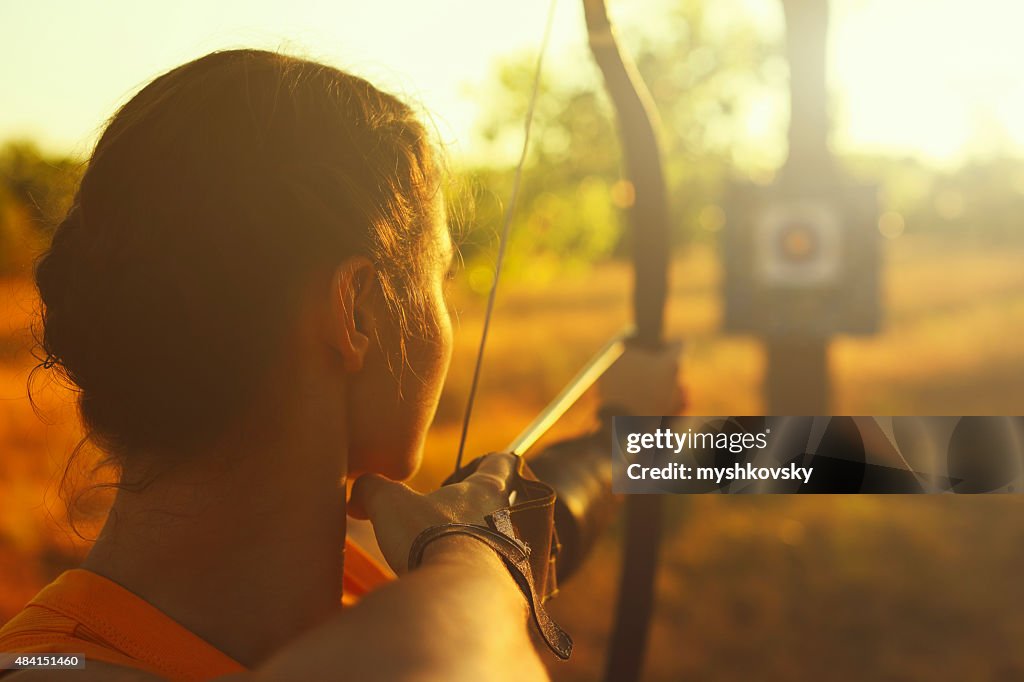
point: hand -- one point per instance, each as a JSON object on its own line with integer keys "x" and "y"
{"x": 399, "y": 513}
{"x": 644, "y": 382}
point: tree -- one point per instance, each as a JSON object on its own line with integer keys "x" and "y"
{"x": 705, "y": 76}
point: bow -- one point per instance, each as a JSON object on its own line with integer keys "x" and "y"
{"x": 649, "y": 214}
{"x": 648, "y": 218}
{"x": 649, "y": 225}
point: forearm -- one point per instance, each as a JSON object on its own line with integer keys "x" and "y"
{"x": 458, "y": 616}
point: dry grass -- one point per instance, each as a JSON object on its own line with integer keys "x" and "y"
{"x": 783, "y": 588}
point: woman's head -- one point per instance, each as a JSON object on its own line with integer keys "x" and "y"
{"x": 215, "y": 201}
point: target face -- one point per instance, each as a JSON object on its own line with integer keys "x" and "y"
{"x": 797, "y": 245}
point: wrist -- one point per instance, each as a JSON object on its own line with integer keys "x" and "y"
{"x": 496, "y": 545}
{"x": 461, "y": 549}
{"x": 471, "y": 557}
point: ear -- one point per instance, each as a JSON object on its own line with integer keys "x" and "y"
{"x": 351, "y": 312}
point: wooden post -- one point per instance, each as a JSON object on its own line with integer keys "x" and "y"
{"x": 797, "y": 376}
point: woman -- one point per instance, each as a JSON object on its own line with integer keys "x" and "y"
{"x": 248, "y": 297}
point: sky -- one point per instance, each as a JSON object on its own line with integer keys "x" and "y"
{"x": 936, "y": 79}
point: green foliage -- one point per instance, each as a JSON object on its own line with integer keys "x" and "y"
{"x": 720, "y": 88}
{"x": 982, "y": 199}
{"x": 35, "y": 193}
{"x": 702, "y": 78}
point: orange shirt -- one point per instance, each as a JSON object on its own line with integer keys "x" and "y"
{"x": 83, "y": 612}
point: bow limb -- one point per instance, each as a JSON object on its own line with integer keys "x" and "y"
{"x": 649, "y": 227}
{"x": 649, "y": 213}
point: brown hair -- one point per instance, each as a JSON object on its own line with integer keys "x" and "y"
{"x": 210, "y": 199}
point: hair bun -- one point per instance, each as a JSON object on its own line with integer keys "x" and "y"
{"x": 56, "y": 283}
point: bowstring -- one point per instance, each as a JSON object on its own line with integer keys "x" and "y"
{"x": 506, "y": 228}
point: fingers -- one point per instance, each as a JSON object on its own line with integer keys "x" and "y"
{"x": 500, "y": 464}
{"x": 644, "y": 381}
{"x": 495, "y": 470}
{"x": 370, "y": 493}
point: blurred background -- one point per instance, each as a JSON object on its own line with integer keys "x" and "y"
{"x": 925, "y": 117}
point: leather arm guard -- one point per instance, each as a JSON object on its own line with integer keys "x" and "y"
{"x": 523, "y": 535}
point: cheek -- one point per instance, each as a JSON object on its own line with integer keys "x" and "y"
{"x": 388, "y": 422}
{"x": 428, "y": 362}
{"x": 429, "y": 358}
{"x": 445, "y": 343}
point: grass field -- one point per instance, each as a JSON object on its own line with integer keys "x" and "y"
{"x": 774, "y": 588}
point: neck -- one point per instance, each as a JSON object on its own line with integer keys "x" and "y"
{"x": 243, "y": 546}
